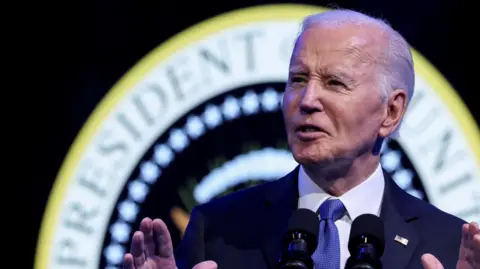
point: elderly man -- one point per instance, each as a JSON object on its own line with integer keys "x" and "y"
{"x": 350, "y": 80}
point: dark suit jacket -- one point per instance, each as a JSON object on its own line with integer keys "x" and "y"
{"x": 243, "y": 230}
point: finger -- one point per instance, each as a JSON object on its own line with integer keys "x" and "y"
{"x": 206, "y": 265}
{"x": 476, "y": 249}
{"x": 163, "y": 240}
{"x": 476, "y": 241}
{"x": 138, "y": 249}
{"x": 128, "y": 261}
{"x": 474, "y": 228}
{"x": 465, "y": 241}
{"x": 431, "y": 262}
{"x": 465, "y": 228}
{"x": 146, "y": 227}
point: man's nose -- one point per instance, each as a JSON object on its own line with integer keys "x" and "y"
{"x": 310, "y": 102}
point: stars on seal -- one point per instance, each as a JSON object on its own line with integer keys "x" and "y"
{"x": 114, "y": 253}
{"x": 231, "y": 108}
{"x": 120, "y": 231}
{"x": 178, "y": 140}
{"x": 404, "y": 178}
{"x": 162, "y": 155}
{"x": 391, "y": 160}
{"x": 250, "y": 103}
{"x": 270, "y": 100}
{"x": 194, "y": 127}
{"x": 128, "y": 210}
{"x": 212, "y": 116}
{"x": 138, "y": 190}
{"x": 149, "y": 171}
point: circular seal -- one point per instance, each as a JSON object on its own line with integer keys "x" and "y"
{"x": 200, "y": 117}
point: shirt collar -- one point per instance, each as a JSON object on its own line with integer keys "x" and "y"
{"x": 364, "y": 198}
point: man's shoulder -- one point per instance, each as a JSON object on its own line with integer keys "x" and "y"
{"x": 417, "y": 210}
{"x": 431, "y": 217}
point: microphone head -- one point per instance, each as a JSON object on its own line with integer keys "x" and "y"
{"x": 305, "y": 221}
{"x": 370, "y": 228}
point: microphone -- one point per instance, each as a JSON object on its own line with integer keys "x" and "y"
{"x": 300, "y": 240}
{"x": 366, "y": 243}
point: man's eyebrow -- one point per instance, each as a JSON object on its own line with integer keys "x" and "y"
{"x": 339, "y": 74}
{"x": 297, "y": 68}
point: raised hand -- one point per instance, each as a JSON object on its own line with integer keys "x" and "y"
{"x": 469, "y": 254}
{"x": 152, "y": 248}
{"x": 469, "y": 257}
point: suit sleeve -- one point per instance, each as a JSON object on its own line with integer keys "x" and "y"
{"x": 191, "y": 249}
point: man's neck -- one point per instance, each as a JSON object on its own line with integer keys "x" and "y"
{"x": 340, "y": 177}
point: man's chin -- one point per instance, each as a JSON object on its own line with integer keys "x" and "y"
{"x": 311, "y": 159}
{"x": 310, "y": 151}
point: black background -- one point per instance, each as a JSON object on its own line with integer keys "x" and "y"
{"x": 85, "y": 47}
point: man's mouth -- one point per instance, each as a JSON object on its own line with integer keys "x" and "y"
{"x": 307, "y": 128}
{"x": 309, "y": 132}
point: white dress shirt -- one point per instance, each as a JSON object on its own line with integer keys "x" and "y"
{"x": 364, "y": 198}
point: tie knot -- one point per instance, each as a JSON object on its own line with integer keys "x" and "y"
{"x": 332, "y": 209}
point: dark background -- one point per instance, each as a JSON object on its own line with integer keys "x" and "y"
{"x": 87, "y": 47}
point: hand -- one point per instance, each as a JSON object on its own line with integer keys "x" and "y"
{"x": 469, "y": 255}
{"x": 152, "y": 248}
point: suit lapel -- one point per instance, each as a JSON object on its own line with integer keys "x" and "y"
{"x": 280, "y": 201}
{"x": 397, "y": 216}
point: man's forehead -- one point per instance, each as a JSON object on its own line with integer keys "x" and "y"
{"x": 337, "y": 37}
{"x": 345, "y": 41}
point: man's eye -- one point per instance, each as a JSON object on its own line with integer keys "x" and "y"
{"x": 334, "y": 82}
{"x": 298, "y": 79}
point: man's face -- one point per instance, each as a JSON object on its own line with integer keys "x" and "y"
{"x": 332, "y": 105}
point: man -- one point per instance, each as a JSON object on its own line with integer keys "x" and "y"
{"x": 350, "y": 80}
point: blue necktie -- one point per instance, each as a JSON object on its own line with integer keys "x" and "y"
{"x": 327, "y": 254}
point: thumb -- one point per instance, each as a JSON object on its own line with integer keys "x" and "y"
{"x": 431, "y": 262}
{"x": 206, "y": 265}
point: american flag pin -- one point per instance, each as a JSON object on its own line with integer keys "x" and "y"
{"x": 401, "y": 240}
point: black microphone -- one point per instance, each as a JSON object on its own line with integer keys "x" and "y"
{"x": 300, "y": 240}
{"x": 366, "y": 243}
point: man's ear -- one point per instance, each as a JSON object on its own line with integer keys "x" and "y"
{"x": 396, "y": 107}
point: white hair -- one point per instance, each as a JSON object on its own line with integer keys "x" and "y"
{"x": 397, "y": 65}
